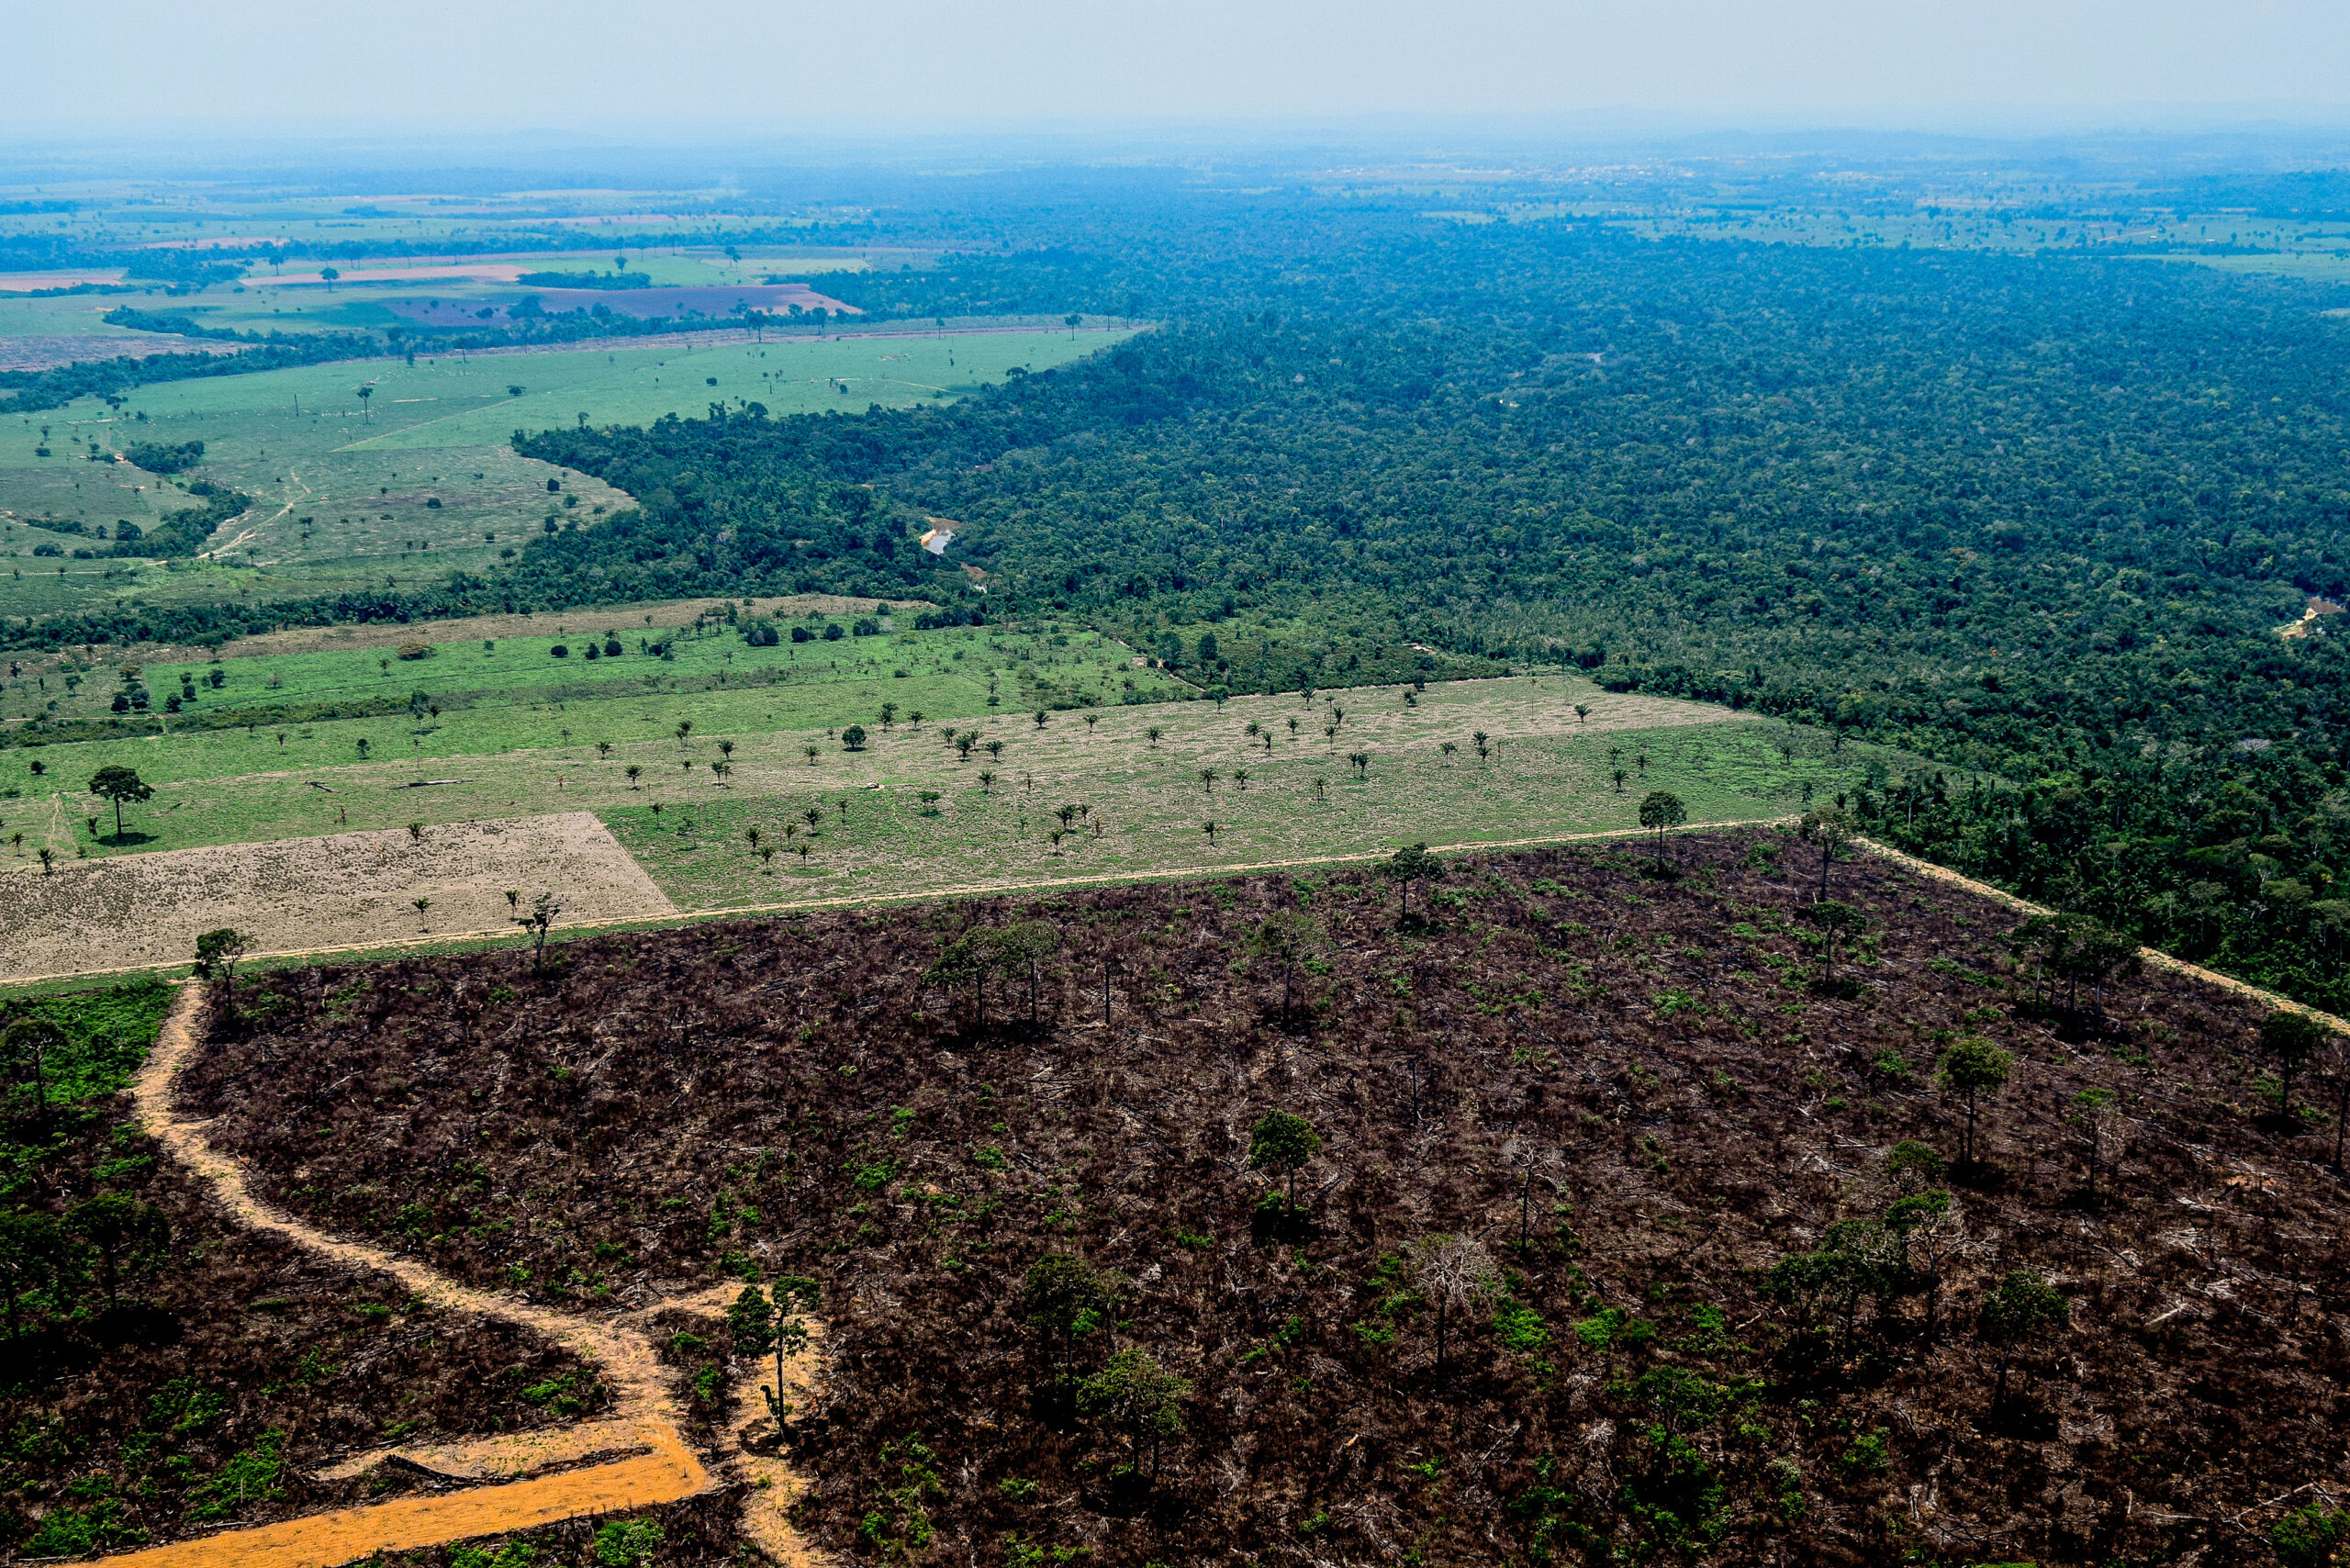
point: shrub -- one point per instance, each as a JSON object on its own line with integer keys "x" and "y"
{"x": 628, "y": 1543}
{"x": 2311, "y": 1537}
{"x": 415, "y": 650}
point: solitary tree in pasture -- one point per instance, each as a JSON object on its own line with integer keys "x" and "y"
{"x": 365, "y": 393}
{"x": 116, "y": 783}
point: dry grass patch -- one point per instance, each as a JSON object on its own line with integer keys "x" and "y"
{"x": 88, "y": 916}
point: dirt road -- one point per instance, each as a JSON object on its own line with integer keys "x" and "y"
{"x": 647, "y": 1424}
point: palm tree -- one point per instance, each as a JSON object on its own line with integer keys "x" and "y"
{"x": 365, "y": 393}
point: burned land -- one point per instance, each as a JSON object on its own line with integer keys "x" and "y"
{"x": 1582, "y": 1210}
{"x": 166, "y": 1373}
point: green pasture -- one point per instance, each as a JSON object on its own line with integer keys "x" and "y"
{"x": 514, "y": 696}
{"x": 606, "y": 740}
{"x": 416, "y": 479}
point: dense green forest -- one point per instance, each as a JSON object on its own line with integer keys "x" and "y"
{"x": 2038, "y": 517}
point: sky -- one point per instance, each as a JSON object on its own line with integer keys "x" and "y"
{"x": 604, "y": 67}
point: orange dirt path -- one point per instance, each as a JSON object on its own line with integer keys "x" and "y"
{"x": 647, "y": 1415}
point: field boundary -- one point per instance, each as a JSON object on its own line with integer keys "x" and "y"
{"x": 975, "y": 890}
{"x": 2153, "y": 956}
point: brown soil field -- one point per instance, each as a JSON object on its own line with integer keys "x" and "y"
{"x": 703, "y": 300}
{"x": 45, "y": 351}
{"x": 94, "y": 916}
{"x": 1633, "y": 1094}
{"x": 122, "y": 1418}
{"x": 474, "y": 628}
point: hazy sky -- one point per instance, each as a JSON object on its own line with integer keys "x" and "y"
{"x": 860, "y": 66}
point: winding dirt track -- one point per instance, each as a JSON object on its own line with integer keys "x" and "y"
{"x": 647, "y": 1428}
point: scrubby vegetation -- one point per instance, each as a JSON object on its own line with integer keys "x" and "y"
{"x": 1579, "y": 1215}
{"x": 163, "y": 1370}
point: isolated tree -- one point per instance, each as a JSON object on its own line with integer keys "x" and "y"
{"x": 1137, "y": 1395}
{"x": 35, "y": 1258}
{"x": 1828, "y": 830}
{"x": 634, "y": 773}
{"x": 127, "y": 1236}
{"x": 2093, "y": 1113}
{"x": 1021, "y": 947}
{"x": 365, "y": 393}
{"x": 116, "y": 783}
{"x": 217, "y": 953}
{"x": 2020, "y": 1312}
{"x": 544, "y": 909}
{"x": 853, "y": 738}
{"x": 1583, "y": 711}
{"x": 1927, "y": 1228}
{"x": 1064, "y": 1296}
{"x": 1660, "y": 810}
{"x": 1287, "y": 937}
{"x": 1970, "y": 1066}
{"x": 29, "y": 1045}
{"x": 328, "y": 276}
{"x": 1406, "y": 866}
{"x": 758, "y": 1325}
{"x": 1283, "y": 1143}
{"x": 2293, "y": 1040}
{"x": 1834, "y": 920}
{"x": 1207, "y": 779}
{"x": 1452, "y": 1273}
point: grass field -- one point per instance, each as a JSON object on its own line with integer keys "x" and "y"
{"x": 419, "y": 480}
{"x": 522, "y": 734}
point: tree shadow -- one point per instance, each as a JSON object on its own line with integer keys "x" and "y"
{"x": 1276, "y": 1221}
{"x": 128, "y": 839}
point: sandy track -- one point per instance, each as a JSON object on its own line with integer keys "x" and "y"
{"x": 124, "y": 912}
{"x": 648, "y": 1416}
{"x": 2153, "y": 956}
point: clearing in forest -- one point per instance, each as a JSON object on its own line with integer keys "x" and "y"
{"x": 90, "y": 916}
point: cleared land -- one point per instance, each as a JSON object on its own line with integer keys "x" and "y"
{"x": 1695, "y": 1323}
{"x": 907, "y": 814}
{"x": 96, "y": 915}
{"x": 419, "y": 479}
